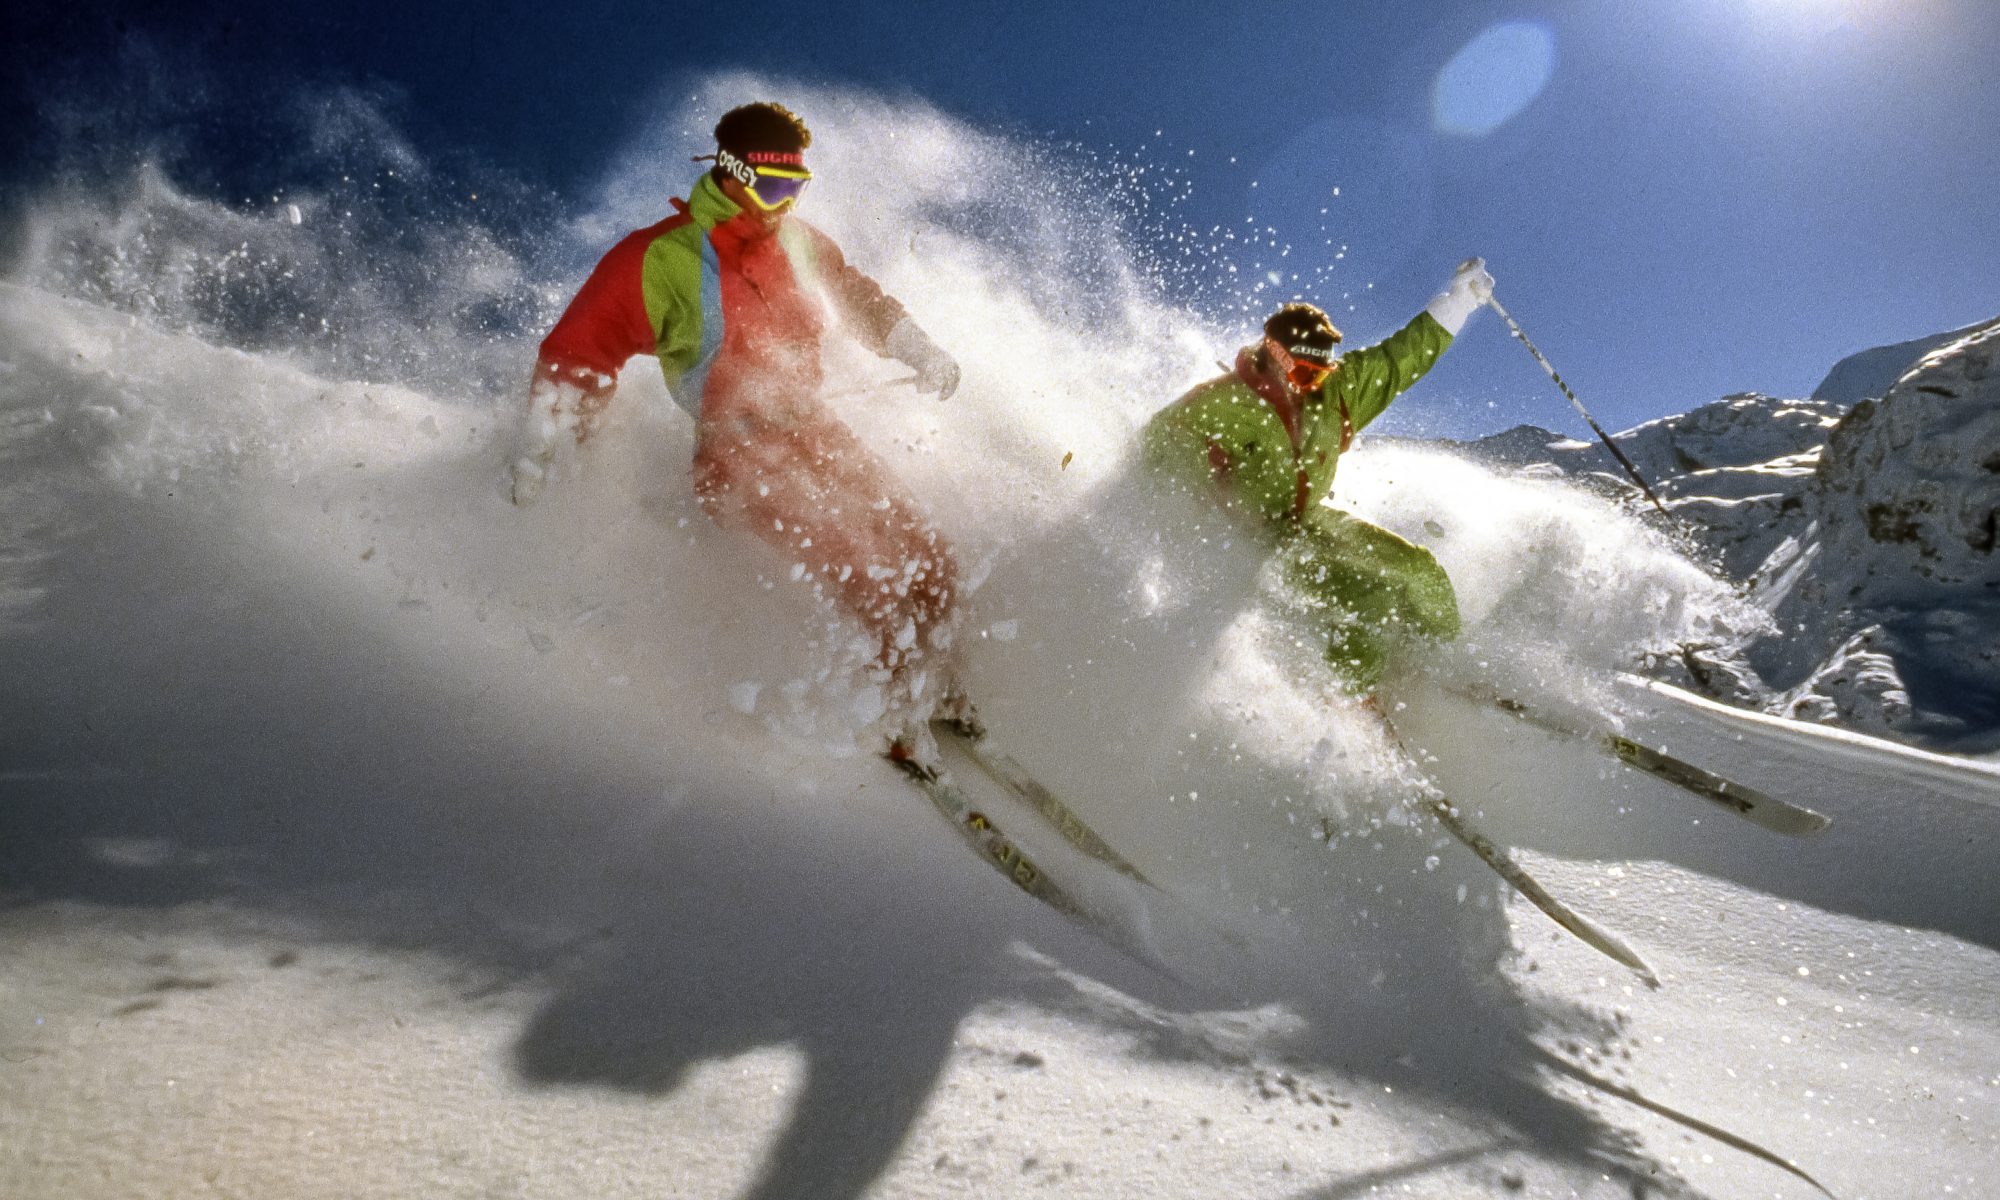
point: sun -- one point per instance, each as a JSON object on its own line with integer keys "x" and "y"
{"x": 1817, "y": 15}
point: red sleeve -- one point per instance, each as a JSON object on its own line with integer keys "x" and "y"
{"x": 864, "y": 308}
{"x": 606, "y": 323}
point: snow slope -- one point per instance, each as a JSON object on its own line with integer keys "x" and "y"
{"x": 361, "y": 835}
{"x": 1732, "y": 469}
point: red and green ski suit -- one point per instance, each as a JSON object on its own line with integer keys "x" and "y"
{"x": 735, "y": 310}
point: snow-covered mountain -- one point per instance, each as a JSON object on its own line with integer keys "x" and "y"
{"x": 1869, "y": 374}
{"x": 1864, "y": 524}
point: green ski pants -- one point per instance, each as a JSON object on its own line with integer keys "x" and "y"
{"x": 1374, "y": 588}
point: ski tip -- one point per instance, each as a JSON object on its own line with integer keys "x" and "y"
{"x": 1778, "y": 816}
{"x": 1802, "y": 822}
{"x": 1623, "y": 953}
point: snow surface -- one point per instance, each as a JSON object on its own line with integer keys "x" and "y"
{"x": 361, "y": 835}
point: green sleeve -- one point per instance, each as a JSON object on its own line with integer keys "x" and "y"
{"x": 670, "y": 281}
{"x": 1369, "y": 378}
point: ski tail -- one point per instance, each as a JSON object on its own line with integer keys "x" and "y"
{"x": 1754, "y": 806}
{"x": 1769, "y": 746}
{"x": 1759, "y": 808}
{"x": 1502, "y": 864}
{"x": 987, "y": 840}
{"x": 1732, "y": 1140}
{"x": 1015, "y": 779}
{"x": 984, "y": 836}
{"x": 1008, "y": 772}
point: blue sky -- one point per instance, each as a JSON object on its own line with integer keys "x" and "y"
{"x": 1701, "y": 197}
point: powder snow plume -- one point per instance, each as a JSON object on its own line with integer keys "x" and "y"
{"x": 340, "y": 387}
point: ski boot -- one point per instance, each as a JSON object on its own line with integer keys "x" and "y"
{"x": 914, "y": 750}
{"x": 956, "y": 713}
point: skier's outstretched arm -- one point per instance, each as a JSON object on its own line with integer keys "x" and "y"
{"x": 881, "y": 323}
{"x": 1370, "y": 378}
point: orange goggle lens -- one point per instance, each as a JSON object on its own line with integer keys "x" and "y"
{"x": 1305, "y": 376}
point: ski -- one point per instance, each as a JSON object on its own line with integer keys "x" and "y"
{"x": 1735, "y": 1141}
{"x": 1773, "y": 814}
{"x": 1592, "y": 934}
{"x": 1007, "y": 771}
{"x": 979, "y": 830}
{"x": 1502, "y": 864}
{"x": 987, "y": 840}
{"x": 1759, "y": 808}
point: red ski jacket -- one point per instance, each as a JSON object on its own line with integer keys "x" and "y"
{"x": 733, "y": 309}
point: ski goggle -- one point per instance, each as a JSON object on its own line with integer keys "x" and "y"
{"x": 1304, "y": 374}
{"x": 773, "y": 188}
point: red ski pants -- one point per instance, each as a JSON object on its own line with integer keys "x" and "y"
{"x": 809, "y": 488}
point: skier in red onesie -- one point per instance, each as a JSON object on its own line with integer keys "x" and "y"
{"x": 733, "y": 295}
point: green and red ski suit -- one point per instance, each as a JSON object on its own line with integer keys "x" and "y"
{"x": 1266, "y": 450}
{"x": 735, "y": 309}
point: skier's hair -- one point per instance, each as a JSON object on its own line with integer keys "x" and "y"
{"x": 762, "y": 126}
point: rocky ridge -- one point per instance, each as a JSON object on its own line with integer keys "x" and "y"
{"x": 1867, "y": 528}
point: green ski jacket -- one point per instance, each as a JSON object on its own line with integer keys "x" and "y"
{"x": 1273, "y": 453}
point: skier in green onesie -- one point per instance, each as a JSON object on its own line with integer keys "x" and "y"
{"x": 1267, "y": 437}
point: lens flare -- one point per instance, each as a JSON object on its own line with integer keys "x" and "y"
{"x": 1493, "y": 78}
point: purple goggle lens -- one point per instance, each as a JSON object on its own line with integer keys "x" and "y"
{"x": 776, "y": 191}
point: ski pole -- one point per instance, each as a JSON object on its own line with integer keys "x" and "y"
{"x": 859, "y": 388}
{"x": 1599, "y": 429}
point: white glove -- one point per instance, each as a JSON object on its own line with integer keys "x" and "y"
{"x": 531, "y": 471}
{"x": 547, "y": 422}
{"x": 564, "y": 403}
{"x": 911, "y": 346}
{"x": 1469, "y": 288}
